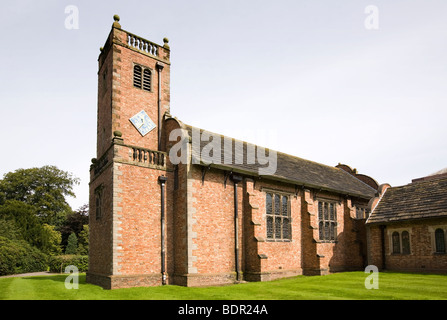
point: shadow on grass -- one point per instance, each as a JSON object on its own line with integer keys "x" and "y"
{"x": 57, "y": 278}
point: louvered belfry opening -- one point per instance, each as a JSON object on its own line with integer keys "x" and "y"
{"x": 147, "y": 80}
{"x": 142, "y": 78}
{"x": 137, "y": 76}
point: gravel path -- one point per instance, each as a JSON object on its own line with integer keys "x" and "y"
{"x": 33, "y": 274}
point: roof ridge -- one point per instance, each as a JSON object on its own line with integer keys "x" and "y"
{"x": 356, "y": 178}
{"x": 380, "y": 199}
{"x": 418, "y": 182}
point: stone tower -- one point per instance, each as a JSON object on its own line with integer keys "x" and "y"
{"x": 128, "y": 175}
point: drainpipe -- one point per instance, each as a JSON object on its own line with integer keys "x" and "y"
{"x": 159, "y": 67}
{"x": 162, "y": 180}
{"x": 236, "y": 180}
{"x": 382, "y": 239}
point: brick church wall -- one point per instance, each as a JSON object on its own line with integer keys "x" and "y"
{"x": 272, "y": 259}
{"x": 211, "y": 223}
{"x": 422, "y": 257}
{"x": 347, "y": 252}
{"x": 126, "y": 243}
{"x": 100, "y": 248}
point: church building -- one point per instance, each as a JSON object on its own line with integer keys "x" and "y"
{"x": 408, "y": 225}
{"x": 174, "y": 204}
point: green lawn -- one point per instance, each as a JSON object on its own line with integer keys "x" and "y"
{"x": 347, "y": 285}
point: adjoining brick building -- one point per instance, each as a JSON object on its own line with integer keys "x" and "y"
{"x": 408, "y": 225}
{"x": 200, "y": 221}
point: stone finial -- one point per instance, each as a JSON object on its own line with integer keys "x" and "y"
{"x": 166, "y": 41}
{"x": 118, "y": 137}
{"x": 116, "y": 24}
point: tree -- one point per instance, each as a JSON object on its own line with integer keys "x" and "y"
{"x": 43, "y": 188}
{"x": 72, "y": 245}
{"x": 73, "y": 222}
{"x": 9, "y": 230}
{"x": 24, "y": 217}
{"x": 83, "y": 243}
{"x": 22, "y": 223}
{"x": 32, "y": 207}
{"x": 51, "y": 240}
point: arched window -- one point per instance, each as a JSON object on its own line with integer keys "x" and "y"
{"x": 396, "y": 242}
{"x": 405, "y": 242}
{"x": 440, "y": 241}
{"x": 99, "y": 202}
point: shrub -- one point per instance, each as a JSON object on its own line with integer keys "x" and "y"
{"x": 18, "y": 256}
{"x": 59, "y": 263}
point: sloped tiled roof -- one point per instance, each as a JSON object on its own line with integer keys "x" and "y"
{"x": 418, "y": 200}
{"x": 442, "y": 171}
{"x": 298, "y": 171}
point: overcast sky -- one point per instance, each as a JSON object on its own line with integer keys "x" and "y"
{"x": 328, "y": 81}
